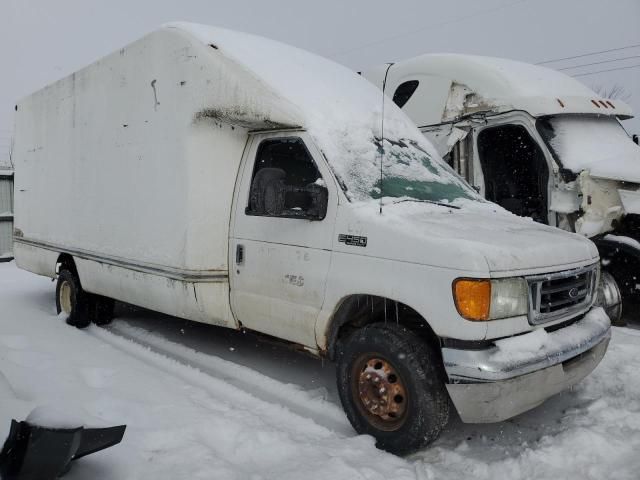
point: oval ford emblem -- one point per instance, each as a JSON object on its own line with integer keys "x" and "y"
{"x": 573, "y": 293}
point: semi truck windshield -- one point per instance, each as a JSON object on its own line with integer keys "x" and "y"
{"x": 595, "y": 143}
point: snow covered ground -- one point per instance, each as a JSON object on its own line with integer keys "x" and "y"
{"x": 201, "y": 402}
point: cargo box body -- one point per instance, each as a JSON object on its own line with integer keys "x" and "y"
{"x": 122, "y": 166}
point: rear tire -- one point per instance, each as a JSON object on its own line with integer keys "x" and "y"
{"x": 103, "y": 310}
{"x": 391, "y": 385}
{"x": 71, "y": 300}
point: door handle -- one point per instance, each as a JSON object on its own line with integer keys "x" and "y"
{"x": 239, "y": 254}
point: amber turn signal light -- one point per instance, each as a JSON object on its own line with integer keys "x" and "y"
{"x": 472, "y": 298}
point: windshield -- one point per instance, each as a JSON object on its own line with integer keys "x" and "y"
{"x": 409, "y": 172}
{"x": 595, "y": 143}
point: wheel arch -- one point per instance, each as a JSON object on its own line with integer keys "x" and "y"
{"x": 357, "y": 310}
{"x": 620, "y": 259}
{"x": 66, "y": 261}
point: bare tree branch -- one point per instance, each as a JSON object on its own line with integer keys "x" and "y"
{"x": 615, "y": 92}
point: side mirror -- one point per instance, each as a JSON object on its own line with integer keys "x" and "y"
{"x": 271, "y": 197}
{"x": 635, "y": 139}
{"x": 308, "y": 202}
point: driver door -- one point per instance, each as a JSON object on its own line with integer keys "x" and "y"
{"x": 280, "y": 248}
{"x": 516, "y": 173}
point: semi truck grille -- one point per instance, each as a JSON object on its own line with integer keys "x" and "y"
{"x": 561, "y": 294}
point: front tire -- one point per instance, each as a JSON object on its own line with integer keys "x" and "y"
{"x": 391, "y": 386}
{"x": 72, "y": 301}
{"x": 610, "y": 298}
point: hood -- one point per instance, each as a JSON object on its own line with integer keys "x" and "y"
{"x": 478, "y": 237}
{"x": 625, "y": 169}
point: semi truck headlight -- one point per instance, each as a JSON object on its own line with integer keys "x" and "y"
{"x": 485, "y": 299}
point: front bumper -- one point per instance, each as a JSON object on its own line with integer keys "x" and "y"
{"x": 516, "y": 375}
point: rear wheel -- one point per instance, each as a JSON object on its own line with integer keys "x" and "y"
{"x": 72, "y": 301}
{"x": 102, "y": 310}
{"x": 391, "y": 386}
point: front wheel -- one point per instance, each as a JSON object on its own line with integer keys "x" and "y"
{"x": 391, "y": 386}
{"x": 610, "y": 298}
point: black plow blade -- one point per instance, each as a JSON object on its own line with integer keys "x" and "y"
{"x": 32, "y": 452}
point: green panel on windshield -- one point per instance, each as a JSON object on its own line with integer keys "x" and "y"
{"x": 409, "y": 171}
{"x": 417, "y": 189}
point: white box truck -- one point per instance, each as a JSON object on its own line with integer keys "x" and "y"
{"x": 229, "y": 179}
{"x": 537, "y": 142}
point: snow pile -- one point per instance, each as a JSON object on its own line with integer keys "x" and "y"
{"x": 522, "y": 346}
{"x": 10, "y": 406}
{"x": 597, "y": 144}
{"x": 341, "y": 110}
{"x": 51, "y": 416}
{"x": 196, "y": 415}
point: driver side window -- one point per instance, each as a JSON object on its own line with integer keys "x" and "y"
{"x": 286, "y": 182}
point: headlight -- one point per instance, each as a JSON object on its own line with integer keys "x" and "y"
{"x": 485, "y": 299}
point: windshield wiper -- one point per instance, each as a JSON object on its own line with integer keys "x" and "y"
{"x": 433, "y": 202}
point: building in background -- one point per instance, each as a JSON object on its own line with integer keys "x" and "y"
{"x": 6, "y": 208}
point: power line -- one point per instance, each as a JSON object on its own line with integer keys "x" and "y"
{"x": 598, "y": 63}
{"x": 589, "y": 54}
{"x": 607, "y": 70}
{"x": 426, "y": 27}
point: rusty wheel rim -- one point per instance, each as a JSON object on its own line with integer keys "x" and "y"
{"x": 380, "y": 392}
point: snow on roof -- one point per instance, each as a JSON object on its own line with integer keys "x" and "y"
{"x": 339, "y": 109}
{"x": 497, "y": 84}
{"x": 499, "y": 77}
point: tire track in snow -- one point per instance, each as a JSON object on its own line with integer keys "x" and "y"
{"x": 233, "y": 383}
{"x": 325, "y": 452}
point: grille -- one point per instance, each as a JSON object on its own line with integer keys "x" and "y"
{"x": 561, "y": 294}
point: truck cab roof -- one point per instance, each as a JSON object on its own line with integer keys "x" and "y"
{"x": 449, "y": 86}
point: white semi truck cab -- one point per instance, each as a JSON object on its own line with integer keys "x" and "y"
{"x": 229, "y": 179}
{"x": 537, "y": 142}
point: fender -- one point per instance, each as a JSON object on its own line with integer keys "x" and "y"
{"x": 612, "y": 245}
{"x": 620, "y": 256}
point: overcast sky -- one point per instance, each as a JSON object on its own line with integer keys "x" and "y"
{"x": 43, "y": 40}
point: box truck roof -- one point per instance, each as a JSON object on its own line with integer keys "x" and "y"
{"x": 340, "y": 110}
{"x": 451, "y": 85}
